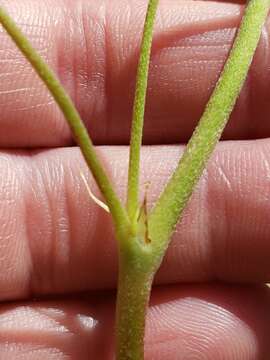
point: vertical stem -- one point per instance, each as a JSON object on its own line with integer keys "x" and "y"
{"x": 138, "y": 112}
{"x": 134, "y": 287}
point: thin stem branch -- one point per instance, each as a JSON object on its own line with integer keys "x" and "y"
{"x": 138, "y": 113}
{"x": 138, "y": 261}
{"x": 174, "y": 198}
{"x": 72, "y": 117}
{"x": 133, "y": 295}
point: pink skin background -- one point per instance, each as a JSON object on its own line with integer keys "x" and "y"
{"x": 57, "y": 246}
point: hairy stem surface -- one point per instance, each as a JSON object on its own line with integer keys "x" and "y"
{"x": 72, "y": 117}
{"x": 169, "y": 207}
{"x": 134, "y": 287}
{"x": 140, "y": 255}
{"x": 138, "y": 113}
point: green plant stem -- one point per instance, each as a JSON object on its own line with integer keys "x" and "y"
{"x": 139, "y": 260}
{"x": 72, "y": 117}
{"x": 138, "y": 113}
{"x": 134, "y": 287}
{"x": 174, "y": 198}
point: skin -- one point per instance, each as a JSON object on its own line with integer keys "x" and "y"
{"x": 55, "y": 242}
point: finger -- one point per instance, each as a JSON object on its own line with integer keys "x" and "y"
{"x": 55, "y": 238}
{"x": 94, "y": 50}
{"x": 229, "y": 1}
{"x": 203, "y": 322}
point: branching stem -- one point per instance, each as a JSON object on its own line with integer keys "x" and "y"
{"x": 138, "y": 113}
{"x": 174, "y": 198}
{"x": 139, "y": 259}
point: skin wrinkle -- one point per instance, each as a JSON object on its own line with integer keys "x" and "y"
{"x": 169, "y": 324}
{"x": 204, "y": 246}
{"x": 249, "y": 100}
{"x": 246, "y": 214}
{"x": 96, "y": 74}
{"x": 222, "y": 344}
{"x": 75, "y": 75}
{"x": 105, "y": 81}
{"x": 203, "y": 329}
{"x": 159, "y": 39}
{"x": 61, "y": 243}
{"x": 266, "y": 163}
{"x": 221, "y": 229}
{"x": 243, "y": 311}
{"x": 125, "y": 122}
{"x": 21, "y": 351}
{"x": 261, "y": 56}
{"x": 107, "y": 77}
{"x": 69, "y": 236}
{"x": 27, "y": 224}
{"x": 14, "y": 254}
{"x": 64, "y": 234}
{"x": 50, "y": 235}
{"x": 35, "y": 26}
{"x": 64, "y": 57}
{"x": 52, "y": 200}
{"x": 227, "y": 249}
{"x": 116, "y": 63}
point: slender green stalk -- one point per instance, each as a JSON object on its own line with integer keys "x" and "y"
{"x": 72, "y": 117}
{"x": 135, "y": 263}
{"x": 174, "y": 198}
{"x": 139, "y": 259}
{"x": 138, "y": 113}
{"x": 132, "y": 300}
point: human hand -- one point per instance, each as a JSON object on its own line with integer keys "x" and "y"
{"x": 56, "y": 242}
